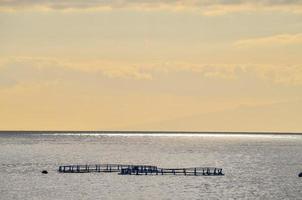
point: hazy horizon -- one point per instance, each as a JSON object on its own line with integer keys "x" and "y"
{"x": 131, "y": 132}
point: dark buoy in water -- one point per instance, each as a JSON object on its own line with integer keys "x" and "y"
{"x": 44, "y": 172}
{"x": 300, "y": 175}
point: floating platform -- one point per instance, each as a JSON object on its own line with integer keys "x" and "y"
{"x": 107, "y": 168}
{"x": 122, "y": 169}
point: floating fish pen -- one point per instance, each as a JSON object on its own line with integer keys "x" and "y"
{"x": 106, "y": 168}
{"x": 141, "y": 170}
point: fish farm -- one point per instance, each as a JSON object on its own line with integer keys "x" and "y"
{"x": 122, "y": 169}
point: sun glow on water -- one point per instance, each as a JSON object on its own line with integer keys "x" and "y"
{"x": 206, "y": 135}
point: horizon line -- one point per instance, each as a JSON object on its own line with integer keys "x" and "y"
{"x": 144, "y": 131}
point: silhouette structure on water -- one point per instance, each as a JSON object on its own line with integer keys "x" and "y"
{"x": 123, "y": 169}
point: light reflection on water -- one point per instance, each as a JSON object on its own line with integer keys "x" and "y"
{"x": 271, "y": 136}
{"x": 257, "y": 166}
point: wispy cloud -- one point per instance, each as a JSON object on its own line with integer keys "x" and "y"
{"x": 31, "y": 68}
{"x": 288, "y": 75}
{"x": 44, "y": 64}
{"x": 277, "y": 74}
{"x": 281, "y": 39}
{"x": 206, "y": 7}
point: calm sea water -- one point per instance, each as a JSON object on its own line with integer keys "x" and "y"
{"x": 255, "y": 166}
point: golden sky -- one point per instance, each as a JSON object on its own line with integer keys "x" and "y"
{"x": 192, "y": 65}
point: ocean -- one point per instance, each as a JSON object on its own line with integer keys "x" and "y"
{"x": 256, "y": 166}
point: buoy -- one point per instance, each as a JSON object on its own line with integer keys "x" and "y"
{"x": 44, "y": 172}
{"x": 300, "y": 175}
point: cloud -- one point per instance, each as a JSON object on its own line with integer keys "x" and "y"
{"x": 206, "y": 7}
{"x": 287, "y": 75}
{"x": 19, "y": 70}
{"x": 214, "y": 71}
{"x": 42, "y": 66}
{"x": 282, "y": 39}
{"x": 277, "y": 74}
{"x": 25, "y": 70}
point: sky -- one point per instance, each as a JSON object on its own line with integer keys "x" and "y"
{"x": 164, "y": 65}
